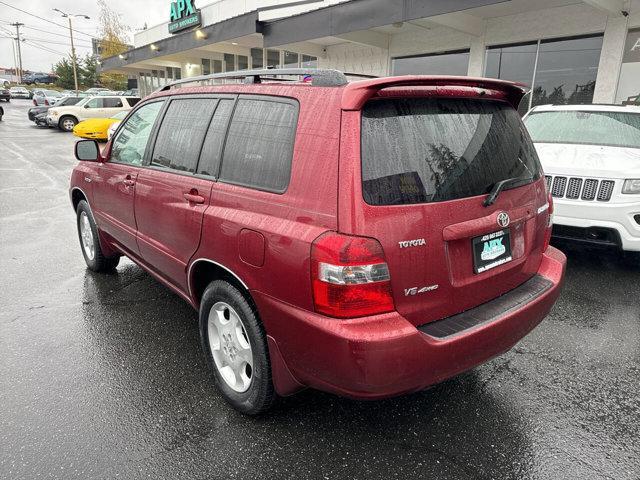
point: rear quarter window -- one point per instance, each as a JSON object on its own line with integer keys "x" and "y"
{"x": 259, "y": 146}
{"x": 432, "y": 150}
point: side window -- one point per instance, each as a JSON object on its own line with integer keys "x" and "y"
{"x": 259, "y": 145}
{"x": 94, "y": 103}
{"x": 112, "y": 103}
{"x": 132, "y": 101}
{"x": 131, "y": 142}
{"x": 181, "y": 133}
{"x": 212, "y": 147}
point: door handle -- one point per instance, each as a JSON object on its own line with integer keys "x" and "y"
{"x": 193, "y": 197}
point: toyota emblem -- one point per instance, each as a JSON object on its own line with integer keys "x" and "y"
{"x": 503, "y": 219}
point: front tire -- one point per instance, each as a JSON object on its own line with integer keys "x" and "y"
{"x": 235, "y": 345}
{"x": 67, "y": 123}
{"x": 89, "y": 241}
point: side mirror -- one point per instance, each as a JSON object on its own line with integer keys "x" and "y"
{"x": 86, "y": 105}
{"x": 88, "y": 151}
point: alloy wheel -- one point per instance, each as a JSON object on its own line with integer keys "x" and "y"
{"x": 230, "y": 347}
{"x": 86, "y": 235}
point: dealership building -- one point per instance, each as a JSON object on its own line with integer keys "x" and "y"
{"x": 567, "y": 51}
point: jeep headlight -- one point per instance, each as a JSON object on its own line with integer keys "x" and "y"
{"x": 631, "y": 185}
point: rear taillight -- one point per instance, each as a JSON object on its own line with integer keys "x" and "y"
{"x": 547, "y": 232}
{"x": 46, "y": 102}
{"x": 34, "y": 102}
{"x": 350, "y": 276}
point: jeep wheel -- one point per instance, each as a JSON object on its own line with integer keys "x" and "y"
{"x": 89, "y": 242}
{"x": 67, "y": 123}
{"x": 235, "y": 344}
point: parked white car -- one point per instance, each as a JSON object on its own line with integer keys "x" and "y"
{"x": 591, "y": 158}
{"x": 19, "y": 92}
{"x": 66, "y": 118}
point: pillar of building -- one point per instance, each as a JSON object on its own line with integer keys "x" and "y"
{"x": 615, "y": 34}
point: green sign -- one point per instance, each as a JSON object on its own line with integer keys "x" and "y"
{"x": 183, "y": 15}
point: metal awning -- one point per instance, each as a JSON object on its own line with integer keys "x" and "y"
{"x": 357, "y": 15}
{"x": 232, "y": 28}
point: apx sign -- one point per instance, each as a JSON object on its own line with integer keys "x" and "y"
{"x": 183, "y": 16}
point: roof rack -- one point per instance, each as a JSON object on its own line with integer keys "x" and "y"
{"x": 319, "y": 77}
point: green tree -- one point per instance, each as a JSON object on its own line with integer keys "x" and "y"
{"x": 89, "y": 73}
{"x": 64, "y": 70}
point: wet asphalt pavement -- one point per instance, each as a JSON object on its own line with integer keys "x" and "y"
{"x": 101, "y": 376}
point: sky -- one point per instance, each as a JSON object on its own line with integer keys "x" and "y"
{"x": 46, "y": 43}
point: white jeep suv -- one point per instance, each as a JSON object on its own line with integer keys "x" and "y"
{"x": 591, "y": 158}
{"x": 65, "y": 118}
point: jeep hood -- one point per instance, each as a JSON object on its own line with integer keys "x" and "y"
{"x": 589, "y": 160}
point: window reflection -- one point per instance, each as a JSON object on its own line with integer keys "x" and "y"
{"x": 565, "y": 73}
{"x": 447, "y": 63}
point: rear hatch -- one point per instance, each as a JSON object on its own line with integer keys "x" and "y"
{"x": 427, "y": 166}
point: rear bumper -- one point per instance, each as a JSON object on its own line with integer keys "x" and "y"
{"x": 385, "y": 355}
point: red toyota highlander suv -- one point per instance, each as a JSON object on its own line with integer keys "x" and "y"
{"x": 366, "y": 238}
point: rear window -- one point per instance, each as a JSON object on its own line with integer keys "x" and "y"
{"x": 614, "y": 129}
{"x": 418, "y": 150}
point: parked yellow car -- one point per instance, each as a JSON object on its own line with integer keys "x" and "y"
{"x": 97, "y": 128}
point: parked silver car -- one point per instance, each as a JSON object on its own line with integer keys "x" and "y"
{"x": 46, "y": 97}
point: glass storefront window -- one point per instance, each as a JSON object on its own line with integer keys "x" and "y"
{"x": 565, "y": 72}
{"x": 628, "y": 84}
{"x": 256, "y": 58}
{"x": 446, "y": 63}
{"x": 309, "y": 62}
{"x": 217, "y": 66}
{"x": 512, "y": 62}
{"x": 206, "y": 66}
{"x": 229, "y": 62}
{"x": 290, "y": 60}
{"x": 273, "y": 58}
{"x": 243, "y": 62}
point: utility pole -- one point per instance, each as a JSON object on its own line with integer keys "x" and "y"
{"x": 73, "y": 48}
{"x": 18, "y": 25}
{"x": 15, "y": 55}
{"x": 73, "y": 56}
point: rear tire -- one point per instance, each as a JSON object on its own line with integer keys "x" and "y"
{"x": 235, "y": 345}
{"x": 67, "y": 123}
{"x": 90, "y": 243}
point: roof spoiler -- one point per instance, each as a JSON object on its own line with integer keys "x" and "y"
{"x": 356, "y": 94}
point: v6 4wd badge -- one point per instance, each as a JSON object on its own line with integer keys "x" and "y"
{"x": 416, "y": 290}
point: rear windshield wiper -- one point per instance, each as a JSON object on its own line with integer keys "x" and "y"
{"x": 499, "y": 186}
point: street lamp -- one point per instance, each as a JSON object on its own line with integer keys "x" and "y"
{"x": 73, "y": 49}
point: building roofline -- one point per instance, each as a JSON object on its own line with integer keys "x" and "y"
{"x": 357, "y": 15}
{"x": 245, "y": 24}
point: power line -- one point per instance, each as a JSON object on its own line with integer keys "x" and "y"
{"x": 47, "y": 20}
{"x": 55, "y": 42}
{"x": 56, "y": 34}
{"x": 31, "y": 43}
